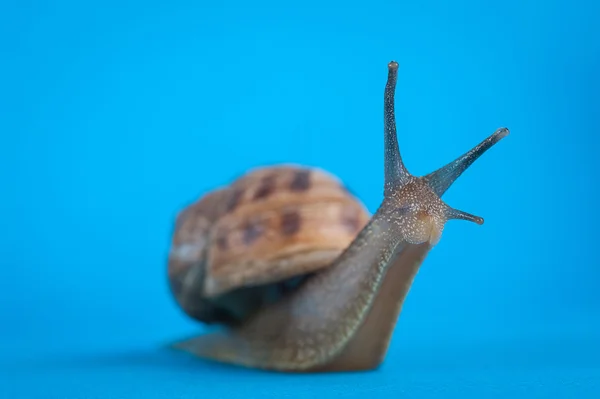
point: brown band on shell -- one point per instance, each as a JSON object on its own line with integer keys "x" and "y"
{"x": 266, "y": 188}
{"x": 301, "y": 181}
{"x": 350, "y": 219}
{"x": 252, "y": 231}
{"x": 234, "y": 199}
{"x": 290, "y": 222}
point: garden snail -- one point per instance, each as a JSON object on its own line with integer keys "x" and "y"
{"x": 298, "y": 272}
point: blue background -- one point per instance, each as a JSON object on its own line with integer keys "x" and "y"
{"x": 114, "y": 115}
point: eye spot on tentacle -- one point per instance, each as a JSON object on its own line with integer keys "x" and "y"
{"x": 266, "y": 188}
{"x": 301, "y": 181}
{"x": 290, "y": 223}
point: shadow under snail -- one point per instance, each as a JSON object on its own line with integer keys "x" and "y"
{"x": 296, "y": 270}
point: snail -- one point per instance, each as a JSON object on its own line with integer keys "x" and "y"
{"x": 297, "y": 272}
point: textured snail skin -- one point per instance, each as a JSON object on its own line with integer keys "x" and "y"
{"x": 342, "y": 318}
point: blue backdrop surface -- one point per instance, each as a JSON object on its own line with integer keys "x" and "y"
{"x": 114, "y": 115}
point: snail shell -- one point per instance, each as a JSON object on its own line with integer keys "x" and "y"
{"x": 244, "y": 245}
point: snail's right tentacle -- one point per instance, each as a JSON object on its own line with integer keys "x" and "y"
{"x": 441, "y": 179}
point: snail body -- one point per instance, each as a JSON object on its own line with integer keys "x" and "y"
{"x": 295, "y": 268}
